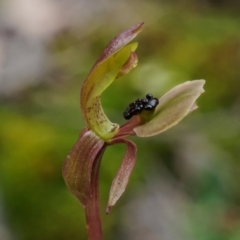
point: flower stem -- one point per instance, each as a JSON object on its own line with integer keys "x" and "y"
{"x": 92, "y": 211}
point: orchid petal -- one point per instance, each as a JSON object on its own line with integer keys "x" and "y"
{"x": 129, "y": 65}
{"x": 78, "y": 166}
{"x": 121, "y": 179}
{"x": 116, "y": 60}
{"x": 172, "y": 108}
{"x": 119, "y": 42}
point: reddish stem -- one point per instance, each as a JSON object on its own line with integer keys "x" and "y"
{"x": 127, "y": 129}
{"x": 92, "y": 211}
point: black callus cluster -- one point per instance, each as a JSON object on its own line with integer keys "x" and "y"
{"x": 149, "y": 103}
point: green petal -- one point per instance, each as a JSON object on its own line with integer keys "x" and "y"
{"x": 172, "y": 108}
{"x": 111, "y": 64}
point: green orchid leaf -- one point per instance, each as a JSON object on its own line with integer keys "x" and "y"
{"x": 121, "y": 179}
{"x": 116, "y": 60}
{"x": 172, "y": 108}
{"x": 78, "y": 166}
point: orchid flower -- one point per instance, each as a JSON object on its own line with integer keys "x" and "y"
{"x": 81, "y": 167}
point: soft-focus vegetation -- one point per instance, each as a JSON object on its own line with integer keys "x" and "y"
{"x": 185, "y": 183}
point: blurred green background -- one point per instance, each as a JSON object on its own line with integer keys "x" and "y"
{"x": 185, "y": 185}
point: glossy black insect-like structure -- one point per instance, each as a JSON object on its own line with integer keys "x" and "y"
{"x": 149, "y": 103}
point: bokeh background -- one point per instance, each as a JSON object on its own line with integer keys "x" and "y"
{"x": 185, "y": 185}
